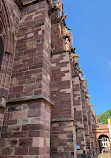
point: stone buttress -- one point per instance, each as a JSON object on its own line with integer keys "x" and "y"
{"x": 43, "y": 96}
{"x": 83, "y": 113}
{"x": 63, "y": 135}
{"x": 78, "y": 108}
{"x": 25, "y": 119}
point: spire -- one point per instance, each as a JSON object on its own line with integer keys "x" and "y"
{"x": 58, "y": 5}
{"x": 61, "y": 7}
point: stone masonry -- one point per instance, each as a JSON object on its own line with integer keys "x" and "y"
{"x": 45, "y": 110}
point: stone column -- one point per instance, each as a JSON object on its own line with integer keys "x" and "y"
{"x": 63, "y": 135}
{"x": 26, "y": 124}
{"x": 78, "y": 115}
{"x": 26, "y": 129}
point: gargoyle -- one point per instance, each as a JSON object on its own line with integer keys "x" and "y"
{"x": 64, "y": 17}
{"x": 68, "y": 28}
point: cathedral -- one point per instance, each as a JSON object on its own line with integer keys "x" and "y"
{"x": 45, "y": 110}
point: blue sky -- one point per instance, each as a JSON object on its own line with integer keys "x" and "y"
{"x": 90, "y": 21}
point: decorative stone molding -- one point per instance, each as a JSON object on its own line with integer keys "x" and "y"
{"x": 22, "y": 99}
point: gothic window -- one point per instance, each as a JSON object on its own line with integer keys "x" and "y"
{"x": 1, "y": 50}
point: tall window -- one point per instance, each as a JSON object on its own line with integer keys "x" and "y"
{"x": 1, "y": 51}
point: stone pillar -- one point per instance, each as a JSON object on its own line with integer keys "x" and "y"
{"x": 25, "y": 132}
{"x": 63, "y": 138}
{"x": 78, "y": 115}
{"x": 87, "y": 119}
{"x": 63, "y": 135}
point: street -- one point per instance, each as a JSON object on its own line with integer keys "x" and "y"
{"x": 104, "y": 155}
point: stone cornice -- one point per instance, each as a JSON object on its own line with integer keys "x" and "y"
{"x": 80, "y": 128}
{"x": 59, "y": 52}
{"x": 64, "y": 120}
{"x": 87, "y": 134}
{"x": 29, "y": 98}
{"x": 91, "y": 137}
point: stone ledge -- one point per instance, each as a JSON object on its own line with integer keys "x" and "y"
{"x": 91, "y": 137}
{"x": 63, "y": 51}
{"x": 28, "y": 98}
{"x": 75, "y": 75}
{"x": 80, "y": 128}
{"x": 87, "y": 134}
{"x": 63, "y": 120}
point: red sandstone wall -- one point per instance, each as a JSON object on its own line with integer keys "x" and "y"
{"x": 25, "y": 123}
{"x": 78, "y": 115}
{"x": 26, "y": 130}
{"x": 9, "y": 18}
{"x": 38, "y": 76}
{"x": 31, "y": 70}
{"x": 63, "y": 136}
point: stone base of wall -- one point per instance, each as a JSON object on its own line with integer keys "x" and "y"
{"x": 80, "y": 136}
{"x": 63, "y": 140}
{"x": 84, "y": 156}
{"x": 26, "y": 131}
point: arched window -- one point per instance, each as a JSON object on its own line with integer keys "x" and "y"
{"x": 1, "y": 51}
